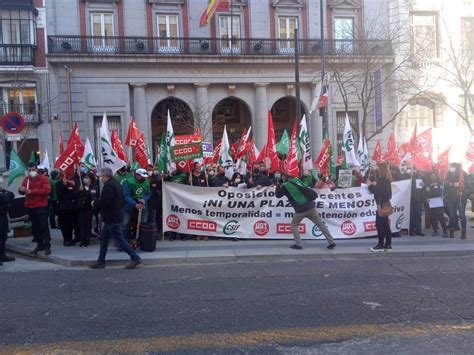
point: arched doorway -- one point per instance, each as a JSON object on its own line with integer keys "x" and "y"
{"x": 181, "y": 118}
{"x": 235, "y": 114}
{"x": 284, "y": 113}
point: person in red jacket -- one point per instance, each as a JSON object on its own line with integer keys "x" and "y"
{"x": 36, "y": 188}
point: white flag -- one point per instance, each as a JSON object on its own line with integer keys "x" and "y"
{"x": 225, "y": 156}
{"x": 305, "y": 145}
{"x": 170, "y": 164}
{"x": 317, "y": 93}
{"x": 89, "y": 159}
{"x": 348, "y": 144}
{"x": 363, "y": 154}
{"x": 109, "y": 156}
{"x": 45, "y": 162}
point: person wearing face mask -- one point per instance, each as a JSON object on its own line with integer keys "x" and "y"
{"x": 66, "y": 208}
{"x": 122, "y": 174}
{"x": 434, "y": 196}
{"x": 87, "y": 192}
{"x": 111, "y": 205}
{"x": 36, "y": 187}
{"x": 198, "y": 178}
{"x": 136, "y": 194}
{"x": 261, "y": 178}
{"x": 236, "y": 180}
{"x": 220, "y": 180}
{"x": 325, "y": 183}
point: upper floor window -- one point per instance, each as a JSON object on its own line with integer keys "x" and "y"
{"x": 424, "y": 35}
{"x": 420, "y": 112}
{"x": 102, "y": 25}
{"x": 17, "y": 27}
{"x": 467, "y": 37}
{"x": 286, "y": 32}
{"x": 344, "y": 33}
{"x": 168, "y": 31}
{"x": 19, "y": 98}
{"x": 229, "y": 33}
{"x": 465, "y": 107}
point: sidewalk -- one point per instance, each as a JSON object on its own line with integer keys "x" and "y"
{"x": 191, "y": 251}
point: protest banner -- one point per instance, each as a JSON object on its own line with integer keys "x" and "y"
{"x": 186, "y": 152}
{"x": 187, "y": 139}
{"x": 207, "y": 149}
{"x": 345, "y": 178}
{"x": 258, "y": 214}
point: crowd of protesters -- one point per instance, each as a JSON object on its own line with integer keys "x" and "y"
{"x": 76, "y": 204}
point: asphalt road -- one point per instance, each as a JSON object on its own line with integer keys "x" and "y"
{"x": 406, "y": 305}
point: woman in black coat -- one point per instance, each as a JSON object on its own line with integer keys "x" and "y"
{"x": 87, "y": 192}
{"x": 382, "y": 190}
{"x": 65, "y": 208}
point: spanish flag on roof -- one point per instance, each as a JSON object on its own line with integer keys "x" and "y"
{"x": 212, "y": 7}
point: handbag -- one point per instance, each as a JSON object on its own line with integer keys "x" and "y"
{"x": 385, "y": 210}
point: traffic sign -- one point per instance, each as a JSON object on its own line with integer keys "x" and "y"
{"x": 13, "y": 137}
{"x": 13, "y": 123}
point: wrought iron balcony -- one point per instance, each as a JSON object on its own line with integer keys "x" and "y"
{"x": 31, "y": 112}
{"x": 212, "y": 46}
{"x": 17, "y": 54}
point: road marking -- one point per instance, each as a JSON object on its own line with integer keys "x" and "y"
{"x": 372, "y": 305}
{"x": 216, "y": 341}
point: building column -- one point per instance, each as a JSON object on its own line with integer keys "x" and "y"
{"x": 260, "y": 118}
{"x": 202, "y": 112}
{"x": 140, "y": 113}
{"x": 316, "y": 127}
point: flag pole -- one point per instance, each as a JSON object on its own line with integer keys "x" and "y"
{"x": 323, "y": 64}
{"x": 297, "y": 78}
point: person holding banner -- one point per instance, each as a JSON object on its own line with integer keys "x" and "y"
{"x": 434, "y": 196}
{"x": 382, "y": 190}
{"x": 301, "y": 198}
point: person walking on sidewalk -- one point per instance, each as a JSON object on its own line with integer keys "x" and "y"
{"x": 36, "y": 188}
{"x": 301, "y": 198}
{"x": 6, "y": 198}
{"x": 382, "y": 190}
{"x": 110, "y": 204}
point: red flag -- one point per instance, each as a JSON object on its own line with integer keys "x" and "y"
{"x": 413, "y": 143}
{"x": 461, "y": 178}
{"x": 75, "y": 139}
{"x": 323, "y": 98}
{"x": 391, "y": 155}
{"x": 324, "y": 157}
{"x": 140, "y": 151}
{"x": 271, "y": 153}
{"x": 340, "y": 159}
{"x": 133, "y": 134}
{"x": 292, "y": 158}
{"x": 443, "y": 163}
{"x": 244, "y": 144}
{"x": 117, "y": 145}
{"x": 424, "y": 143}
{"x": 61, "y": 143}
{"x": 67, "y": 160}
{"x": 252, "y": 157}
{"x": 377, "y": 157}
{"x": 422, "y": 163}
{"x": 261, "y": 155}
{"x": 211, "y": 8}
{"x": 215, "y": 154}
{"x": 471, "y": 169}
{"x": 197, "y": 132}
{"x": 470, "y": 148}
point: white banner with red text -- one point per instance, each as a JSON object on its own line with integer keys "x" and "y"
{"x": 259, "y": 214}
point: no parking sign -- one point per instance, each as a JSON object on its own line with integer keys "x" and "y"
{"x": 13, "y": 123}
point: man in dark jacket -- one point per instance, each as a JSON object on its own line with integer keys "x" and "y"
{"x": 220, "y": 180}
{"x": 110, "y": 204}
{"x": 304, "y": 207}
{"x": 6, "y": 198}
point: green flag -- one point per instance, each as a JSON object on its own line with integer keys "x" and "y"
{"x": 32, "y": 158}
{"x": 135, "y": 166}
{"x": 163, "y": 154}
{"x": 17, "y": 167}
{"x": 284, "y": 144}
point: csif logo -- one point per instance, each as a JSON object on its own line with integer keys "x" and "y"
{"x": 231, "y": 227}
{"x": 398, "y": 224}
{"x": 316, "y": 231}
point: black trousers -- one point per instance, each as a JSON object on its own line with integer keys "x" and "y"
{"x": 67, "y": 221}
{"x": 437, "y": 215}
{"x": 84, "y": 218}
{"x": 3, "y": 233}
{"x": 39, "y": 226}
{"x": 52, "y": 214}
{"x": 383, "y": 230}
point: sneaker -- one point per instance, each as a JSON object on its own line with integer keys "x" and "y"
{"x": 435, "y": 234}
{"x": 47, "y": 251}
{"x": 331, "y": 246}
{"x": 133, "y": 264}
{"x": 377, "y": 248}
{"x": 388, "y": 248}
{"x": 36, "y": 250}
{"x": 98, "y": 266}
{"x": 296, "y": 246}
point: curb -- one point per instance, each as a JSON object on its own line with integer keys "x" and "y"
{"x": 326, "y": 255}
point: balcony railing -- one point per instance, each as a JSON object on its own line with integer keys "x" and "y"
{"x": 30, "y": 112}
{"x": 212, "y": 46}
{"x": 17, "y": 54}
